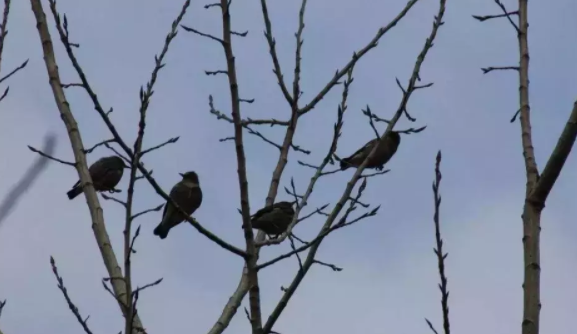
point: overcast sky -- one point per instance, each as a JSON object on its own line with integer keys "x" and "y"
{"x": 389, "y": 281}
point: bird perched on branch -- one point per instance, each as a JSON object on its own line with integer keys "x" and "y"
{"x": 273, "y": 219}
{"x": 106, "y": 173}
{"x": 188, "y": 196}
{"x": 384, "y": 153}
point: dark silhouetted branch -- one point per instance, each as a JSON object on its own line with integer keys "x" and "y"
{"x": 202, "y": 34}
{"x": 51, "y": 157}
{"x": 342, "y": 108}
{"x": 356, "y": 57}
{"x": 145, "y": 96}
{"x": 272, "y": 50}
{"x": 287, "y": 295}
{"x": 328, "y": 265}
{"x": 155, "y": 209}
{"x": 114, "y": 199}
{"x": 90, "y": 150}
{"x": 170, "y": 141}
{"x": 499, "y": 68}
{"x": 439, "y": 248}
{"x": 83, "y": 322}
{"x": 14, "y": 71}
{"x": 244, "y": 124}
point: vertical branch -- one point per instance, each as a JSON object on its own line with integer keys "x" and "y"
{"x": 235, "y": 300}
{"x": 252, "y": 256}
{"x": 145, "y": 96}
{"x": 537, "y": 187}
{"x": 3, "y": 29}
{"x": 272, "y": 50}
{"x": 525, "y": 109}
{"x": 531, "y": 211}
{"x": 289, "y": 292}
{"x": 98, "y": 227}
{"x": 441, "y": 257}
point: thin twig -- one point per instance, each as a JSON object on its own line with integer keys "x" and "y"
{"x": 90, "y": 150}
{"x": 356, "y": 57}
{"x": 283, "y": 302}
{"x": 4, "y": 27}
{"x": 328, "y": 265}
{"x": 499, "y": 68}
{"x": 73, "y": 308}
{"x": 51, "y": 157}
{"x": 441, "y": 257}
{"x": 170, "y": 141}
{"x": 145, "y": 96}
{"x": 318, "y": 173}
{"x": 367, "y": 112}
{"x": 272, "y": 50}
{"x": 14, "y": 71}
{"x": 97, "y": 218}
{"x": 110, "y": 198}
{"x": 214, "y": 38}
{"x": 155, "y": 209}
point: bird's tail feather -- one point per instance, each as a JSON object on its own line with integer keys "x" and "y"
{"x": 161, "y": 230}
{"x": 344, "y": 164}
{"x": 74, "y": 192}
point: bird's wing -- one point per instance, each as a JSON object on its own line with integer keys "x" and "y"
{"x": 364, "y": 150}
{"x": 164, "y": 210}
{"x": 187, "y": 198}
{"x": 263, "y": 211}
{"x": 99, "y": 170}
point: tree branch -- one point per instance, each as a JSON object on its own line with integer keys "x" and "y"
{"x": 356, "y": 57}
{"x": 83, "y": 322}
{"x": 145, "y": 96}
{"x": 100, "y": 233}
{"x": 235, "y": 300}
{"x": 272, "y": 50}
{"x": 351, "y": 184}
{"x": 251, "y": 258}
{"x": 556, "y": 160}
{"x": 439, "y": 250}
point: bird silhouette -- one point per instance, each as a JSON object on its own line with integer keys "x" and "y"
{"x": 384, "y": 153}
{"x": 106, "y": 173}
{"x": 188, "y": 196}
{"x": 273, "y": 219}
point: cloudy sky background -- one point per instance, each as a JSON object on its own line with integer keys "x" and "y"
{"x": 389, "y": 282}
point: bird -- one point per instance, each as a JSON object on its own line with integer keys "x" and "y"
{"x": 106, "y": 173}
{"x": 273, "y": 219}
{"x": 384, "y": 153}
{"x": 188, "y": 196}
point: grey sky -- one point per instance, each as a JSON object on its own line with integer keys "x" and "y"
{"x": 389, "y": 282}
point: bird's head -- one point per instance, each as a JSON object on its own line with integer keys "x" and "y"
{"x": 190, "y": 176}
{"x": 395, "y": 136}
{"x": 285, "y": 205}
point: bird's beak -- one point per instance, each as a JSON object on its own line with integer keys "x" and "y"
{"x": 181, "y": 174}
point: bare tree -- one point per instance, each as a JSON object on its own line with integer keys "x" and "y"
{"x": 538, "y": 185}
{"x": 339, "y": 215}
